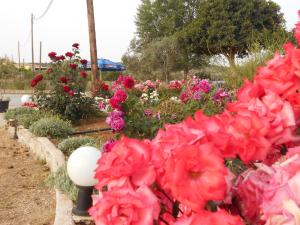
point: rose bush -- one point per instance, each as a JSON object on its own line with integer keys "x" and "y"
{"x": 183, "y": 169}
{"x": 148, "y": 106}
{"x": 67, "y": 83}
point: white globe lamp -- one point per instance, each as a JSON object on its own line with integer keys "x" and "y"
{"x": 26, "y": 98}
{"x": 81, "y": 170}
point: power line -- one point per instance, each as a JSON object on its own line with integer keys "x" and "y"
{"x": 45, "y": 12}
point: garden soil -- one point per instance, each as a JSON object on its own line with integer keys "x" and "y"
{"x": 93, "y": 124}
{"x": 25, "y": 199}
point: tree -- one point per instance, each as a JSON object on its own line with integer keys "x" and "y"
{"x": 163, "y": 55}
{"x": 7, "y": 68}
{"x": 160, "y": 55}
{"x": 160, "y": 18}
{"x": 228, "y": 27}
{"x": 158, "y": 23}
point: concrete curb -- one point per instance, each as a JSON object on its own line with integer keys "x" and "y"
{"x": 43, "y": 149}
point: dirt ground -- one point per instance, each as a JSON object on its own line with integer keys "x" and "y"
{"x": 25, "y": 199}
{"x": 94, "y": 124}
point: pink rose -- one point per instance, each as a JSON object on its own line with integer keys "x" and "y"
{"x": 220, "y": 217}
{"x": 126, "y": 207}
{"x": 128, "y": 158}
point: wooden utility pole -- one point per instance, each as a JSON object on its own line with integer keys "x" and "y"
{"x": 32, "y": 47}
{"x": 19, "y": 57}
{"x": 40, "y": 56}
{"x": 93, "y": 43}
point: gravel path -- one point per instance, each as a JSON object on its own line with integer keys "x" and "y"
{"x": 24, "y": 197}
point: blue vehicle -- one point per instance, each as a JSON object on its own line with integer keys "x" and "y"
{"x": 107, "y": 65}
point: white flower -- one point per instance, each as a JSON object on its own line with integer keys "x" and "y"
{"x": 175, "y": 99}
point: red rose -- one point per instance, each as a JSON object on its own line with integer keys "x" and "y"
{"x": 75, "y": 45}
{"x": 128, "y": 82}
{"x": 52, "y": 54}
{"x": 185, "y": 96}
{"x": 61, "y": 57}
{"x": 69, "y": 54}
{"x": 73, "y": 66}
{"x": 120, "y": 79}
{"x": 71, "y": 93}
{"x": 115, "y": 103}
{"x": 33, "y": 83}
{"x": 83, "y": 74}
{"x": 83, "y": 61}
{"x": 63, "y": 80}
{"x": 49, "y": 70}
{"x": 38, "y": 77}
{"x": 67, "y": 88}
{"x": 120, "y": 95}
{"x": 104, "y": 87}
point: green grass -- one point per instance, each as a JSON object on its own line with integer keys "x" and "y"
{"x": 61, "y": 181}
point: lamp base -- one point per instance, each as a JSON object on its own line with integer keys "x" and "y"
{"x": 84, "y": 201}
{"x": 79, "y": 212}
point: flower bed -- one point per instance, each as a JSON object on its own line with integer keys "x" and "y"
{"x": 235, "y": 161}
{"x": 241, "y": 166}
{"x": 139, "y": 110}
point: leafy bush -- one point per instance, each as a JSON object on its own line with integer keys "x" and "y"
{"x": 258, "y": 56}
{"x": 27, "y": 119}
{"x": 15, "y": 112}
{"x": 68, "y": 145}
{"x": 7, "y": 68}
{"x": 137, "y": 125}
{"x": 141, "y": 112}
{"x": 61, "y": 181}
{"x": 51, "y": 127}
{"x": 166, "y": 93}
{"x": 69, "y": 107}
{"x": 26, "y": 74}
{"x": 19, "y": 85}
{"x": 66, "y": 80}
{"x": 110, "y": 76}
{"x": 171, "y": 111}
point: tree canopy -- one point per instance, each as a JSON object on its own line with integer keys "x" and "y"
{"x": 183, "y": 31}
{"x": 230, "y": 26}
{"x": 160, "y": 18}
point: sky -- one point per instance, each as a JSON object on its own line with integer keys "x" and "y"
{"x": 66, "y": 23}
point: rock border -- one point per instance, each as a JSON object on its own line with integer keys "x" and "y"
{"x": 43, "y": 149}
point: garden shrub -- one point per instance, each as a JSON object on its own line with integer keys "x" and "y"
{"x": 66, "y": 80}
{"x": 7, "y": 68}
{"x": 19, "y": 84}
{"x": 27, "y": 119}
{"x": 62, "y": 181}
{"x": 69, "y": 107}
{"x": 166, "y": 93}
{"x": 171, "y": 111}
{"x": 51, "y": 127}
{"x": 137, "y": 124}
{"x": 68, "y": 145}
{"x": 15, "y": 112}
{"x": 110, "y": 76}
